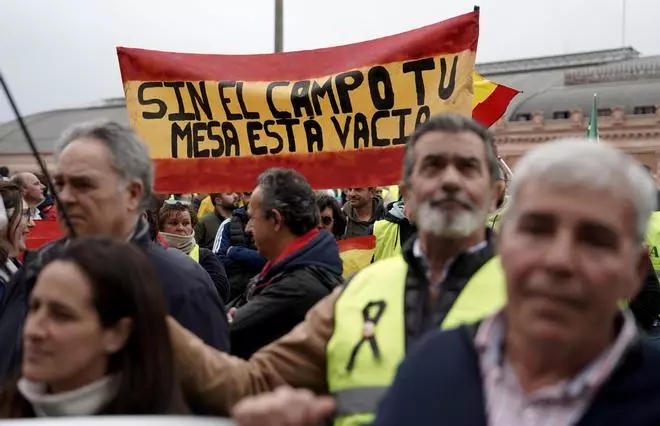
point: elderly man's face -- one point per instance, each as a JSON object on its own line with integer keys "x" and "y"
{"x": 451, "y": 188}
{"x": 569, "y": 256}
{"x": 97, "y": 200}
{"x": 33, "y": 189}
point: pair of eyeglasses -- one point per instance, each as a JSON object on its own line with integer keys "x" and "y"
{"x": 326, "y": 220}
{"x": 174, "y": 202}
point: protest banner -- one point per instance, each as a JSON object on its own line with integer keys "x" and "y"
{"x": 339, "y": 115}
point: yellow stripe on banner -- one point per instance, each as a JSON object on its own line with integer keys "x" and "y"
{"x": 483, "y": 88}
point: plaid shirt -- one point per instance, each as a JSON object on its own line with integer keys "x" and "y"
{"x": 561, "y": 404}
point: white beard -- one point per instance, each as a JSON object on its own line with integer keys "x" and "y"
{"x": 449, "y": 225}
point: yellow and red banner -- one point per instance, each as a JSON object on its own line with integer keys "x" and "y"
{"x": 340, "y": 115}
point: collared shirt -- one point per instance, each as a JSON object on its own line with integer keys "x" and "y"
{"x": 419, "y": 254}
{"x": 563, "y": 403}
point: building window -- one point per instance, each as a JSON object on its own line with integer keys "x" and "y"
{"x": 522, "y": 117}
{"x": 561, "y": 115}
{"x": 604, "y": 112}
{"x": 641, "y": 110}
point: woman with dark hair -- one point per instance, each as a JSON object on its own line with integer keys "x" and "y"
{"x": 95, "y": 340}
{"x": 333, "y": 219}
{"x": 176, "y": 222}
{"x": 15, "y": 222}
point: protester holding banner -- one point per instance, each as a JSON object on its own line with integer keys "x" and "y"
{"x": 104, "y": 180}
{"x": 176, "y": 222}
{"x": 15, "y": 223}
{"x": 95, "y": 338}
{"x": 355, "y": 339}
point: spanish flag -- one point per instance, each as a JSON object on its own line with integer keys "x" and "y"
{"x": 490, "y": 100}
{"x": 356, "y": 253}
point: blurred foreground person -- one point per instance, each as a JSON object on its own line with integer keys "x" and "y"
{"x": 176, "y": 222}
{"x": 105, "y": 179}
{"x": 15, "y": 222}
{"x": 303, "y": 263}
{"x": 351, "y": 343}
{"x": 95, "y": 338}
{"x": 562, "y": 351}
{"x": 332, "y": 218}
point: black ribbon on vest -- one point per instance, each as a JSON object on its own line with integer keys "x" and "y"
{"x": 371, "y": 314}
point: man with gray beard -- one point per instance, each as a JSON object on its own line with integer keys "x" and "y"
{"x": 351, "y": 342}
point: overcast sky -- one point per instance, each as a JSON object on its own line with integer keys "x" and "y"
{"x": 58, "y": 54}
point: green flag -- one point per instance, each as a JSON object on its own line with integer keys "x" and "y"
{"x": 592, "y": 129}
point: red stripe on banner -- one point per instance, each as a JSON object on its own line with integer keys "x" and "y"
{"x": 337, "y": 169}
{"x": 357, "y": 243}
{"x": 448, "y": 37}
{"x": 493, "y": 107}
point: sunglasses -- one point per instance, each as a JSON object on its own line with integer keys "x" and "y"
{"x": 326, "y": 220}
{"x": 174, "y": 202}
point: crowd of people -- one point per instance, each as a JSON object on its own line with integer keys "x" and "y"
{"x": 493, "y": 297}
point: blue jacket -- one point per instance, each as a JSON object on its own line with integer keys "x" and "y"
{"x": 277, "y": 301}
{"x": 189, "y": 293}
{"x": 440, "y": 383}
{"x": 238, "y": 256}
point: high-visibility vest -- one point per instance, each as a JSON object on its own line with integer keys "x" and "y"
{"x": 194, "y": 253}
{"x": 653, "y": 241}
{"x": 368, "y": 342}
{"x": 388, "y": 239}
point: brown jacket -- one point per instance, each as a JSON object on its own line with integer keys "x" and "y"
{"x": 218, "y": 381}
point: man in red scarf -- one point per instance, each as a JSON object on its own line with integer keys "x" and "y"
{"x": 303, "y": 263}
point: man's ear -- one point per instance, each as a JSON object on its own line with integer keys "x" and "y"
{"x": 135, "y": 189}
{"x": 278, "y": 220}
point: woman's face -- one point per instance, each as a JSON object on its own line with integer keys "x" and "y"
{"x": 327, "y": 221}
{"x": 65, "y": 345}
{"x": 18, "y": 231}
{"x": 178, "y": 223}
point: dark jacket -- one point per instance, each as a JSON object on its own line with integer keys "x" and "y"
{"x": 357, "y": 228}
{"x": 239, "y": 254}
{"x": 216, "y": 271}
{"x": 279, "y": 300}
{"x": 207, "y": 228}
{"x": 190, "y": 296}
{"x": 440, "y": 383}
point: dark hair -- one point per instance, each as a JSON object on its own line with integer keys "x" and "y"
{"x": 4, "y": 171}
{"x": 151, "y": 212}
{"x": 452, "y": 123}
{"x": 13, "y": 199}
{"x": 124, "y": 285}
{"x": 339, "y": 227}
{"x": 168, "y": 208}
{"x": 288, "y": 192}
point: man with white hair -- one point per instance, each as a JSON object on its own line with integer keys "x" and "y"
{"x": 351, "y": 342}
{"x": 562, "y": 351}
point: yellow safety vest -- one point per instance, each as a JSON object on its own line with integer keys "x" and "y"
{"x": 388, "y": 239}
{"x": 653, "y": 241}
{"x": 371, "y": 311}
{"x": 194, "y": 253}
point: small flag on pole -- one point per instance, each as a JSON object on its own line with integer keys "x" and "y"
{"x": 592, "y": 129}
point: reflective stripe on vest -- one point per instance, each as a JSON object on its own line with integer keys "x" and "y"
{"x": 368, "y": 341}
{"x": 388, "y": 239}
{"x": 653, "y": 241}
{"x": 194, "y": 253}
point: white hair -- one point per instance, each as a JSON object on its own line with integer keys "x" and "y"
{"x": 590, "y": 165}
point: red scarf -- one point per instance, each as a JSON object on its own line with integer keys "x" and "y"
{"x": 295, "y": 245}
